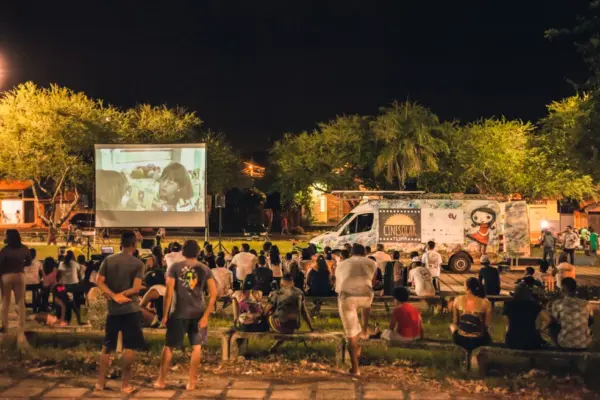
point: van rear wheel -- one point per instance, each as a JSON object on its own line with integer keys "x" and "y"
{"x": 460, "y": 263}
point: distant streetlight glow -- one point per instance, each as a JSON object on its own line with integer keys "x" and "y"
{"x": 3, "y": 71}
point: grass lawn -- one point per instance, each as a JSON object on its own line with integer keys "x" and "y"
{"x": 285, "y": 246}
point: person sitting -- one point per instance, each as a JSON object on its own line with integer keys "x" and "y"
{"x": 297, "y": 275}
{"x": 489, "y": 277}
{"x": 274, "y": 262}
{"x": 285, "y": 307}
{"x": 421, "y": 278}
{"x": 319, "y": 280}
{"x": 152, "y": 305}
{"x": 471, "y": 317}
{"x": 530, "y": 271}
{"x": 247, "y": 310}
{"x": 263, "y": 275}
{"x": 414, "y": 256}
{"x": 521, "y": 315}
{"x": 406, "y": 324}
{"x": 571, "y": 319}
{"x": 563, "y": 270}
{"x": 547, "y": 277}
{"x": 223, "y": 278}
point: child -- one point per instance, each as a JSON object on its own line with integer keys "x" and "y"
{"x": 175, "y": 189}
{"x": 406, "y": 324}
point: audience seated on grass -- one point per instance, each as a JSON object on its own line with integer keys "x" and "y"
{"x": 274, "y": 261}
{"x": 297, "y": 275}
{"x": 244, "y": 262}
{"x": 471, "y": 317}
{"x": 263, "y": 276}
{"x": 563, "y": 270}
{"x": 547, "y": 277}
{"x": 421, "y": 279}
{"x": 285, "y": 307}
{"x": 247, "y": 309}
{"x": 406, "y": 324}
{"x": 319, "y": 280}
{"x": 49, "y": 279}
{"x": 223, "y": 278}
{"x": 523, "y": 314}
{"x": 489, "y": 277}
{"x": 571, "y": 319}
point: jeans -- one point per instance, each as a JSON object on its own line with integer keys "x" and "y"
{"x": 571, "y": 253}
{"x": 549, "y": 252}
{"x": 13, "y": 283}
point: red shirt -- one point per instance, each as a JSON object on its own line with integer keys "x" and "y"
{"x": 408, "y": 320}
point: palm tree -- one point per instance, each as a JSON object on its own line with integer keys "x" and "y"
{"x": 407, "y": 132}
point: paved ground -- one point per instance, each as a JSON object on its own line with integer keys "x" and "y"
{"x": 218, "y": 388}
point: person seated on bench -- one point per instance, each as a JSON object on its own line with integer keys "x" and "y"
{"x": 263, "y": 276}
{"x": 471, "y": 317}
{"x": 420, "y": 277}
{"x": 319, "y": 280}
{"x": 406, "y": 324}
{"x": 547, "y": 277}
{"x": 285, "y": 306}
{"x": 247, "y": 310}
{"x": 571, "y": 319}
{"x": 563, "y": 270}
{"x": 489, "y": 277}
{"x": 521, "y": 315}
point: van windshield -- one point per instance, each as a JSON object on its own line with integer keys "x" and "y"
{"x": 342, "y": 222}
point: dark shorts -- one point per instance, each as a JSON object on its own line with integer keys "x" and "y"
{"x": 131, "y": 326}
{"x": 471, "y": 343}
{"x": 177, "y": 329}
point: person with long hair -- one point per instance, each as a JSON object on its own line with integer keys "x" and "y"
{"x": 319, "y": 280}
{"x": 472, "y": 317}
{"x": 49, "y": 274}
{"x": 275, "y": 264}
{"x": 14, "y": 257}
{"x": 297, "y": 274}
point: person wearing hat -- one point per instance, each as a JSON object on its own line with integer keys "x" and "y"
{"x": 489, "y": 277}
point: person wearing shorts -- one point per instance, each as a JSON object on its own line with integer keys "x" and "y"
{"x": 186, "y": 311}
{"x": 120, "y": 278}
{"x": 354, "y": 285}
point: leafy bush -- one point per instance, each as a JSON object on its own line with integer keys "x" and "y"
{"x": 297, "y": 230}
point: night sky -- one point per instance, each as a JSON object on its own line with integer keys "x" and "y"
{"x": 257, "y": 69}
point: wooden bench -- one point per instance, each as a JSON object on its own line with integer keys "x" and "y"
{"x": 386, "y": 300}
{"x": 235, "y": 343}
{"x": 343, "y": 355}
{"x": 577, "y": 359}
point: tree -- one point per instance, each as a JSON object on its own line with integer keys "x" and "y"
{"x": 223, "y": 164}
{"x": 47, "y": 136}
{"x": 339, "y": 154}
{"x": 407, "y": 134}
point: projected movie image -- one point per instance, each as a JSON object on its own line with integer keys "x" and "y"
{"x": 150, "y": 186}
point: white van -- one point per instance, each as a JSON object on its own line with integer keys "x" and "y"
{"x": 463, "y": 229}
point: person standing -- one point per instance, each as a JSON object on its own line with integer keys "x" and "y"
{"x": 432, "y": 260}
{"x": 548, "y": 244}
{"x": 354, "y": 285}
{"x": 571, "y": 240}
{"x": 186, "y": 311}
{"x": 120, "y": 278}
{"x": 14, "y": 257}
{"x": 593, "y": 241}
{"x": 489, "y": 277}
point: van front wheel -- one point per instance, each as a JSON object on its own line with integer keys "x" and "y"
{"x": 460, "y": 263}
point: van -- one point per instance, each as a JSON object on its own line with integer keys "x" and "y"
{"x": 463, "y": 229}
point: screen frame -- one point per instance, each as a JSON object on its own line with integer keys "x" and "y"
{"x": 152, "y": 146}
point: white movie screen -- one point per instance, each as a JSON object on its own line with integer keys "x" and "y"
{"x": 150, "y": 186}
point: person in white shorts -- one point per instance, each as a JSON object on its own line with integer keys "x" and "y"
{"x": 354, "y": 285}
{"x": 432, "y": 260}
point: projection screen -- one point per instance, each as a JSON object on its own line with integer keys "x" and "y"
{"x": 153, "y": 186}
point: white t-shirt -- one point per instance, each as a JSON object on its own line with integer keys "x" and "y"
{"x": 354, "y": 277}
{"x": 69, "y": 275}
{"x": 174, "y": 257}
{"x": 32, "y": 273}
{"x": 421, "y": 277}
{"x": 224, "y": 280}
{"x": 433, "y": 262}
{"x": 571, "y": 240}
{"x": 245, "y": 263}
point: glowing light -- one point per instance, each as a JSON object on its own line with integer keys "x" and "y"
{"x": 544, "y": 224}
{"x": 3, "y": 70}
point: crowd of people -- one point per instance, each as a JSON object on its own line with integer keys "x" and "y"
{"x": 178, "y": 287}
